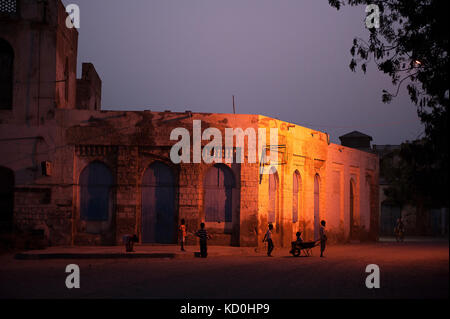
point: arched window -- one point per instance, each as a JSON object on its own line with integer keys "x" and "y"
{"x": 218, "y": 185}
{"x": 96, "y": 183}
{"x": 316, "y": 206}
{"x": 296, "y": 186}
{"x": 6, "y": 75}
{"x": 353, "y": 221}
{"x": 6, "y": 199}
{"x": 158, "y": 205}
{"x": 367, "y": 205}
{"x": 273, "y": 192}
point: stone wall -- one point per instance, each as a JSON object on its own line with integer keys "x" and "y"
{"x": 129, "y": 142}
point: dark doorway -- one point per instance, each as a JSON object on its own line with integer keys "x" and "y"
{"x": 158, "y": 205}
{"x": 6, "y": 199}
{"x": 316, "y": 206}
{"x": 218, "y": 186}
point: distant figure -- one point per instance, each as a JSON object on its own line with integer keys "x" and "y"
{"x": 399, "y": 230}
{"x": 204, "y": 236}
{"x": 298, "y": 241}
{"x": 129, "y": 241}
{"x": 182, "y": 231}
{"x": 268, "y": 238}
{"x": 323, "y": 237}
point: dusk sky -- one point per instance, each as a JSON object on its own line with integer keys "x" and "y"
{"x": 287, "y": 59}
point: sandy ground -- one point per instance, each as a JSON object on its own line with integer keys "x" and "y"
{"x": 408, "y": 270}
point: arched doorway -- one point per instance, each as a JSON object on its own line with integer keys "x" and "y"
{"x": 158, "y": 205}
{"x": 96, "y": 201}
{"x": 273, "y": 196}
{"x": 296, "y": 186}
{"x": 316, "y": 206}
{"x": 6, "y": 199}
{"x": 218, "y": 187}
{"x": 353, "y": 221}
{"x": 367, "y": 223}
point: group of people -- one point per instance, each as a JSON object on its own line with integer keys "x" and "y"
{"x": 322, "y": 238}
{"x": 203, "y": 234}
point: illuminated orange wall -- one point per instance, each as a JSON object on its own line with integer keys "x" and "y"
{"x": 309, "y": 152}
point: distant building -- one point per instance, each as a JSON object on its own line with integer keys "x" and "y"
{"x": 79, "y": 175}
{"x": 431, "y": 222}
{"x": 356, "y": 140}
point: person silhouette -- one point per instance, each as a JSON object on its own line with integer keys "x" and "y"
{"x": 182, "y": 231}
{"x": 399, "y": 230}
{"x": 299, "y": 240}
{"x": 202, "y": 233}
{"x": 268, "y": 238}
{"x": 323, "y": 237}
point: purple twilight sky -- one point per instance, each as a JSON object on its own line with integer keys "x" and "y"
{"x": 286, "y": 59}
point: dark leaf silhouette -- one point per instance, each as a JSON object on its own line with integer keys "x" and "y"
{"x": 411, "y": 46}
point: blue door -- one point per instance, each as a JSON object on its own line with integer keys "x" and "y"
{"x": 158, "y": 205}
{"x": 96, "y": 181}
{"x": 218, "y": 185}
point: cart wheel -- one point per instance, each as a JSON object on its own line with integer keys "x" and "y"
{"x": 296, "y": 252}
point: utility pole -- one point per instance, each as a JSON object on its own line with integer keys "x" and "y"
{"x": 234, "y": 106}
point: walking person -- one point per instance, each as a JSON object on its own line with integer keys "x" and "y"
{"x": 202, "y": 233}
{"x": 268, "y": 238}
{"x": 129, "y": 240}
{"x": 399, "y": 230}
{"x": 323, "y": 237}
{"x": 182, "y": 232}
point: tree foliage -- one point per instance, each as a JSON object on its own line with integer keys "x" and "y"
{"x": 411, "y": 46}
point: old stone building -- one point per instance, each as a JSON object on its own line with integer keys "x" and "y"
{"x": 86, "y": 176}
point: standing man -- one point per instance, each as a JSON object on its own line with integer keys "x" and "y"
{"x": 204, "y": 236}
{"x": 323, "y": 237}
{"x": 268, "y": 237}
{"x": 399, "y": 230}
{"x": 129, "y": 241}
{"x": 182, "y": 230}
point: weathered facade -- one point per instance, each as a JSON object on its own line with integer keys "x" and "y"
{"x": 87, "y": 177}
